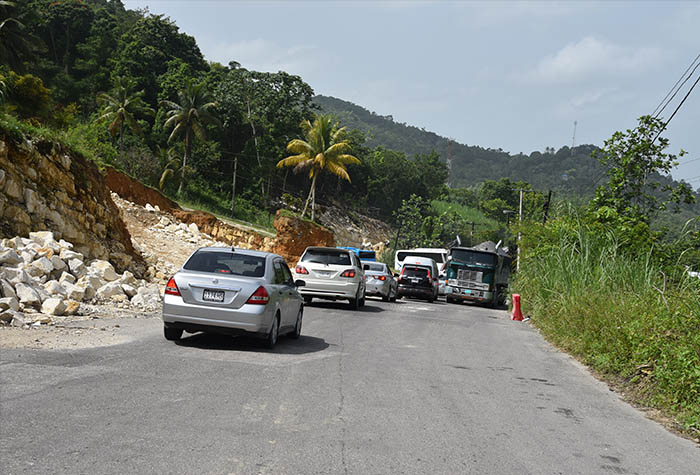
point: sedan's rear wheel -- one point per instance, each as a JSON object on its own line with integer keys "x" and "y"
{"x": 355, "y": 303}
{"x": 308, "y": 299}
{"x": 271, "y": 339}
{"x": 172, "y": 334}
{"x": 297, "y": 328}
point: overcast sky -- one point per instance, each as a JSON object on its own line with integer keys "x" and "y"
{"x": 495, "y": 74}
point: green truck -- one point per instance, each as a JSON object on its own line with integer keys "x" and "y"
{"x": 478, "y": 274}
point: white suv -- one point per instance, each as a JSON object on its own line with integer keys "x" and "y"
{"x": 333, "y": 274}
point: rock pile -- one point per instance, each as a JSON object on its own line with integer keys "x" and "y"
{"x": 41, "y": 277}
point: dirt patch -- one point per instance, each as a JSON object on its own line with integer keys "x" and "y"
{"x": 102, "y": 325}
{"x": 294, "y": 235}
{"x": 134, "y": 191}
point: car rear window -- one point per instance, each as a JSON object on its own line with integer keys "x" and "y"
{"x": 327, "y": 256}
{"x": 415, "y": 272}
{"x": 226, "y": 263}
{"x": 373, "y": 267}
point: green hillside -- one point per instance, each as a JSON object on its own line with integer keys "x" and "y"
{"x": 575, "y": 172}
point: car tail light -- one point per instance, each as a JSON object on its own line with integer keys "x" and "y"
{"x": 382, "y": 277}
{"x": 350, "y": 273}
{"x": 259, "y": 297}
{"x": 429, "y": 278}
{"x": 171, "y": 287}
{"x": 301, "y": 270}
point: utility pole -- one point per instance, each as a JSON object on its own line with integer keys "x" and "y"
{"x": 449, "y": 162}
{"x": 233, "y": 188}
{"x": 546, "y": 207}
{"x": 520, "y": 222}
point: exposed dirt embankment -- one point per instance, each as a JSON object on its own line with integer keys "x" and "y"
{"x": 294, "y": 235}
{"x": 45, "y": 186}
{"x": 136, "y": 192}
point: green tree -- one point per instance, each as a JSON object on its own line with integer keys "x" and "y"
{"x": 635, "y": 160}
{"x": 188, "y": 118}
{"x": 15, "y": 40}
{"x": 325, "y": 148}
{"x": 122, "y": 107}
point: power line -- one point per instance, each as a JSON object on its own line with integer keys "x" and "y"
{"x": 687, "y": 162}
{"x": 656, "y": 111}
{"x": 679, "y": 105}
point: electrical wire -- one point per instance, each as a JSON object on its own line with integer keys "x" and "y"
{"x": 656, "y": 111}
{"x": 679, "y": 105}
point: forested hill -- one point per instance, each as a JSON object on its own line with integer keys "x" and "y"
{"x": 576, "y": 173}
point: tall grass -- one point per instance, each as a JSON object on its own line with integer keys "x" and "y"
{"x": 621, "y": 315}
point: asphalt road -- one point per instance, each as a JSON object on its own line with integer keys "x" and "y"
{"x": 409, "y": 387}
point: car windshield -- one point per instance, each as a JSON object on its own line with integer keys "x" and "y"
{"x": 473, "y": 257}
{"x": 415, "y": 272}
{"x": 222, "y": 262}
{"x": 335, "y": 257}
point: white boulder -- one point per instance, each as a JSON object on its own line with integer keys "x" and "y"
{"x": 54, "y": 288}
{"x": 129, "y": 290}
{"x": 41, "y": 237}
{"x": 149, "y": 208}
{"x": 104, "y": 270}
{"x": 76, "y": 292}
{"x": 53, "y": 306}
{"x": 9, "y": 257}
{"x": 27, "y": 295}
{"x": 77, "y": 268}
{"x": 68, "y": 255}
{"x": 127, "y": 278}
{"x": 109, "y": 290}
{"x": 16, "y": 275}
{"x": 66, "y": 278}
{"x": 58, "y": 263}
{"x": 9, "y": 303}
{"x": 39, "y": 267}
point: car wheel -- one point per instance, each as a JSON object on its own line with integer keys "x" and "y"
{"x": 355, "y": 303}
{"x": 308, "y": 299}
{"x": 362, "y": 301}
{"x": 172, "y": 334}
{"x": 387, "y": 297}
{"x": 297, "y": 328}
{"x": 271, "y": 339}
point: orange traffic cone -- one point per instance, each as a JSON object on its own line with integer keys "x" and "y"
{"x": 517, "y": 313}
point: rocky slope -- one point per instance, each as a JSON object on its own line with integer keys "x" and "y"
{"x": 45, "y": 186}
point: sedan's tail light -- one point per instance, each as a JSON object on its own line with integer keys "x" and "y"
{"x": 171, "y": 287}
{"x": 259, "y": 297}
{"x": 301, "y": 270}
{"x": 382, "y": 277}
{"x": 350, "y": 273}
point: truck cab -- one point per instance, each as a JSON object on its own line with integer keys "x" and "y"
{"x": 478, "y": 274}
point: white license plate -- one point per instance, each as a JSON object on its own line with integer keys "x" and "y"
{"x": 213, "y": 295}
{"x": 324, "y": 273}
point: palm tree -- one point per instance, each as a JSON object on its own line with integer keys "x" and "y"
{"x": 170, "y": 162}
{"x": 323, "y": 149}
{"x": 16, "y": 44}
{"x": 121, "y": 107}
{"x": 188, "y": 118}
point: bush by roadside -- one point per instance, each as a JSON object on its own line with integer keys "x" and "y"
{"x": 618, "y": 310}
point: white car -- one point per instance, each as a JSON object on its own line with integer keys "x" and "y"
{"x": 333, "y": 274}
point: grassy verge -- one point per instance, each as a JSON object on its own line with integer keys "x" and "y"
{"x": 622, "y": 316}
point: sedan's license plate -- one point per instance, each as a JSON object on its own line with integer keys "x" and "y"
{"x": 213, "y": 295}
{"x": 324, "y": 273}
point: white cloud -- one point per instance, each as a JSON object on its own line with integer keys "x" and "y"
{"x": 264, "y": 55}
{"x": 591, "y": 58}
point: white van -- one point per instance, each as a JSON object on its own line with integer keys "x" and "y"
{"x": 433, "y": 269}
{"x": 436, "y": 254}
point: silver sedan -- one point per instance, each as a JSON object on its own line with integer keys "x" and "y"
{"x": 380, "y": 281}
{"x": 233, "y": 291}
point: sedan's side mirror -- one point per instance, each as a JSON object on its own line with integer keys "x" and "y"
{"x": 396, "y": 274}
{"x": 299, "y": 283}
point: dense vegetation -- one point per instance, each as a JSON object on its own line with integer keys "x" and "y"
{"x": 602, "y": 284}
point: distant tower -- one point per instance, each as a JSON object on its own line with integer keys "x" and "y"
{"x": 573, "y": 139}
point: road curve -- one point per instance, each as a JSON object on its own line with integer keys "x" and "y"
{"x": 407, "y": 387}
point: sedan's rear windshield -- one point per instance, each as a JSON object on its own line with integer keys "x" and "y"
{"x": 415, "y": 272}
{"x": 226, "y": 263}
{"x": 327, "y": 256}
{"x": 373, "y": 267}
